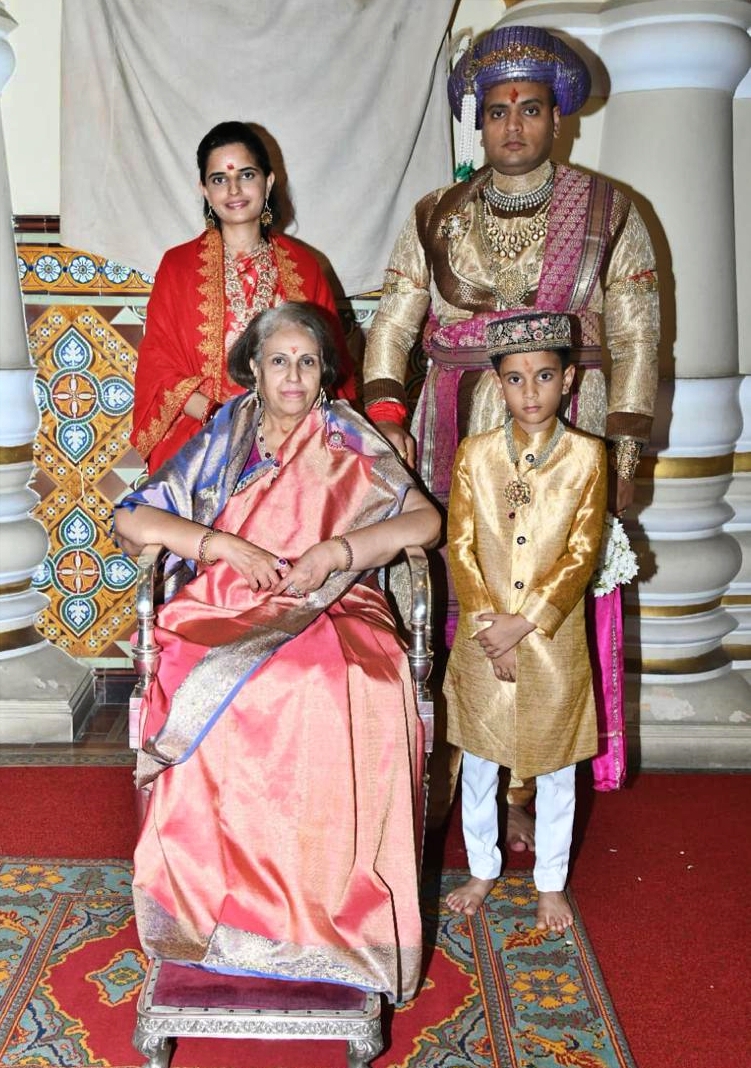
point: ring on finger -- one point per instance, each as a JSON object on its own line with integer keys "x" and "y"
{"x": 281, "y": 562}
{"x": 293, "y": 591}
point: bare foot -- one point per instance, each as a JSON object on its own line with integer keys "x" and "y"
{"x": 468, "y": 897}
{"x": 553, "y": 911}
{"x": 520, "y": 829}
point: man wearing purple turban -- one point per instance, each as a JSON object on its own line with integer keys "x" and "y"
{"x": 521, "y": 233}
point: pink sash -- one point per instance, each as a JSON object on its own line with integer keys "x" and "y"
{"x": 605, "y": 632}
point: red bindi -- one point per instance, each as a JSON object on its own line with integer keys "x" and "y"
{"x": 230, "y": 166}
{"x": 293, "y": 349}
{"x": 514, "y": 95}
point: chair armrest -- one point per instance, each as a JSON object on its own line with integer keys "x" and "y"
{"x": 420, "y": 652}
{"x": 145, "y": 649}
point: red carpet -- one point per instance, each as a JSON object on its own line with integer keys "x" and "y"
{"x": 660, "y": 878}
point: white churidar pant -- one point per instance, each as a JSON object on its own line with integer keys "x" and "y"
{"x": 555, "y": 803}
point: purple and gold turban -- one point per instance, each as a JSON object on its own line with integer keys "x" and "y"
{"x": 519, "y": 54}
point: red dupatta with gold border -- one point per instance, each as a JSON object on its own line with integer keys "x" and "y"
{"x": 183, "y": 348}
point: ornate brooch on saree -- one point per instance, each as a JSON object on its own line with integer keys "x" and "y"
{"x": 518, "y": 492}
{"x": 454, "y": 226}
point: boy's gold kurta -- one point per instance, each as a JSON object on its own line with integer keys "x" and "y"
{"x": 535, "y": 560}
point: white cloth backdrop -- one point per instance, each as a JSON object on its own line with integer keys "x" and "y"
{"x": 353, "y": 92}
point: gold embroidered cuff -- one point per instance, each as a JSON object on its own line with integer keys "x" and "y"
{"x": 384, "y": 389}
{"x": 624, "y": 457}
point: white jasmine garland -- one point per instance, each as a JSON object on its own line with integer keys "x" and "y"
{"x": 617, "y": 564}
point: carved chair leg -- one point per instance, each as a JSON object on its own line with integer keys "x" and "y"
{"x": 156, "y": 1047}
{"x": 361, "y": 1051}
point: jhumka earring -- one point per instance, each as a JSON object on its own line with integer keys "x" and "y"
{"x": 267, "y": 216}
{"x": 210, "y": 218}
{"x": 321, "y": 399}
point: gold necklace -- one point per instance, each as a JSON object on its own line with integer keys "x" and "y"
{"x": 263, "y": 295}
{"x": 512, "y": 282}
{"x": 518, "y": 492}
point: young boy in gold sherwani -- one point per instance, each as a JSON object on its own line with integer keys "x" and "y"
{"x": 526, "y": 516}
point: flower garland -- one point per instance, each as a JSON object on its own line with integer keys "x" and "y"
{"x": 618, "y": 563}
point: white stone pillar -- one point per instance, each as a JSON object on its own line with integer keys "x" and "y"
{"x": 667, "y": 139}
{"x": 738, "y": 598}
{"x": 44, "y": 693}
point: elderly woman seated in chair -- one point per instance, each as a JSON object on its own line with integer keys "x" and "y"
{"x": 280, "y": 738}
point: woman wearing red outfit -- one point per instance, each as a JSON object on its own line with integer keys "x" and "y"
{"x": 207, "y": 291}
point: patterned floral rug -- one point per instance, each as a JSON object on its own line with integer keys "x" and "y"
{"x": 533, "y": 1000}
{"x": 497, "y": 994}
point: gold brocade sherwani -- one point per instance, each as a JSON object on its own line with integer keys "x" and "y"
{"x": 535, "y": 560}
{"x": 440, "y": 267}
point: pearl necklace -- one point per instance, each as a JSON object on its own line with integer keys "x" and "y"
{"x": 518, "y": 492}
{"x": 516, "y": 202}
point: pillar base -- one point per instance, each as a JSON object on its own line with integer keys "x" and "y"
{"x": 691, "y": 747}
{"x": 45, "y": 695}
{"x": 692, "y": 724}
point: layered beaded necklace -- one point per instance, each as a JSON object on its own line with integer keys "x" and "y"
{"x": 518, "y": 492}
{"x": 512, "y": 282}
{"x": 516, "y": 202}
{"x": 504, "y": 240}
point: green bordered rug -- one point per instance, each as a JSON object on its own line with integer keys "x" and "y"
{"x": 497, "y": 993}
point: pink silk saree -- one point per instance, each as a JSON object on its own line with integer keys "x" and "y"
{"x": 284, "y": 844}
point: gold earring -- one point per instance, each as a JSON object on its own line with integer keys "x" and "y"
{"x": 267, "y": 216}
{"x": 210, "y": 218}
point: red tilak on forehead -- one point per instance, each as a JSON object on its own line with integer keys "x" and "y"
{"x": 514, "y": 94}
{"x": 230, "y": 166}
{"x": 293, "y": 349}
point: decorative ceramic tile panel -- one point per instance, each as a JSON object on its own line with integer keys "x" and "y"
{"x": 84, "y": 390}
{"x": 58, "y": 270}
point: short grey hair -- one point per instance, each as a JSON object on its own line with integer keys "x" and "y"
{"x": 315, "y": 321}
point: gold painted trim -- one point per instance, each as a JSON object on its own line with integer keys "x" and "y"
{"x": 685, "y": 466}
{"x": 666, "y": 611}
{"x": 742, "y": 461}
{"x": 16, "y": 454}
{"x": 690, "y": 665}
{"x": 736, "y": 598}
{"x": 738, "y": 652}
{"x": 16, "y": 587}
{"x": 20, "y": 639}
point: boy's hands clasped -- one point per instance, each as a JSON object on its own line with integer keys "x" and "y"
{"x": 499, "y": 640}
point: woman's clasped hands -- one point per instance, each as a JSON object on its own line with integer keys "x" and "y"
{"x": 265, "y": 570}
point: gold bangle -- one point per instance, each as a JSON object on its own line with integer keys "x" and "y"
{"x": 202, "y": 557}
{"x": 348, "y": 551}
{"x": 625, "y": 457}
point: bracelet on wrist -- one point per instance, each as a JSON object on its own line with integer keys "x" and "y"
{"x": 349, "y": 557}
{"x": 202, "y": 546}
{"x": 625, "y": 458}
